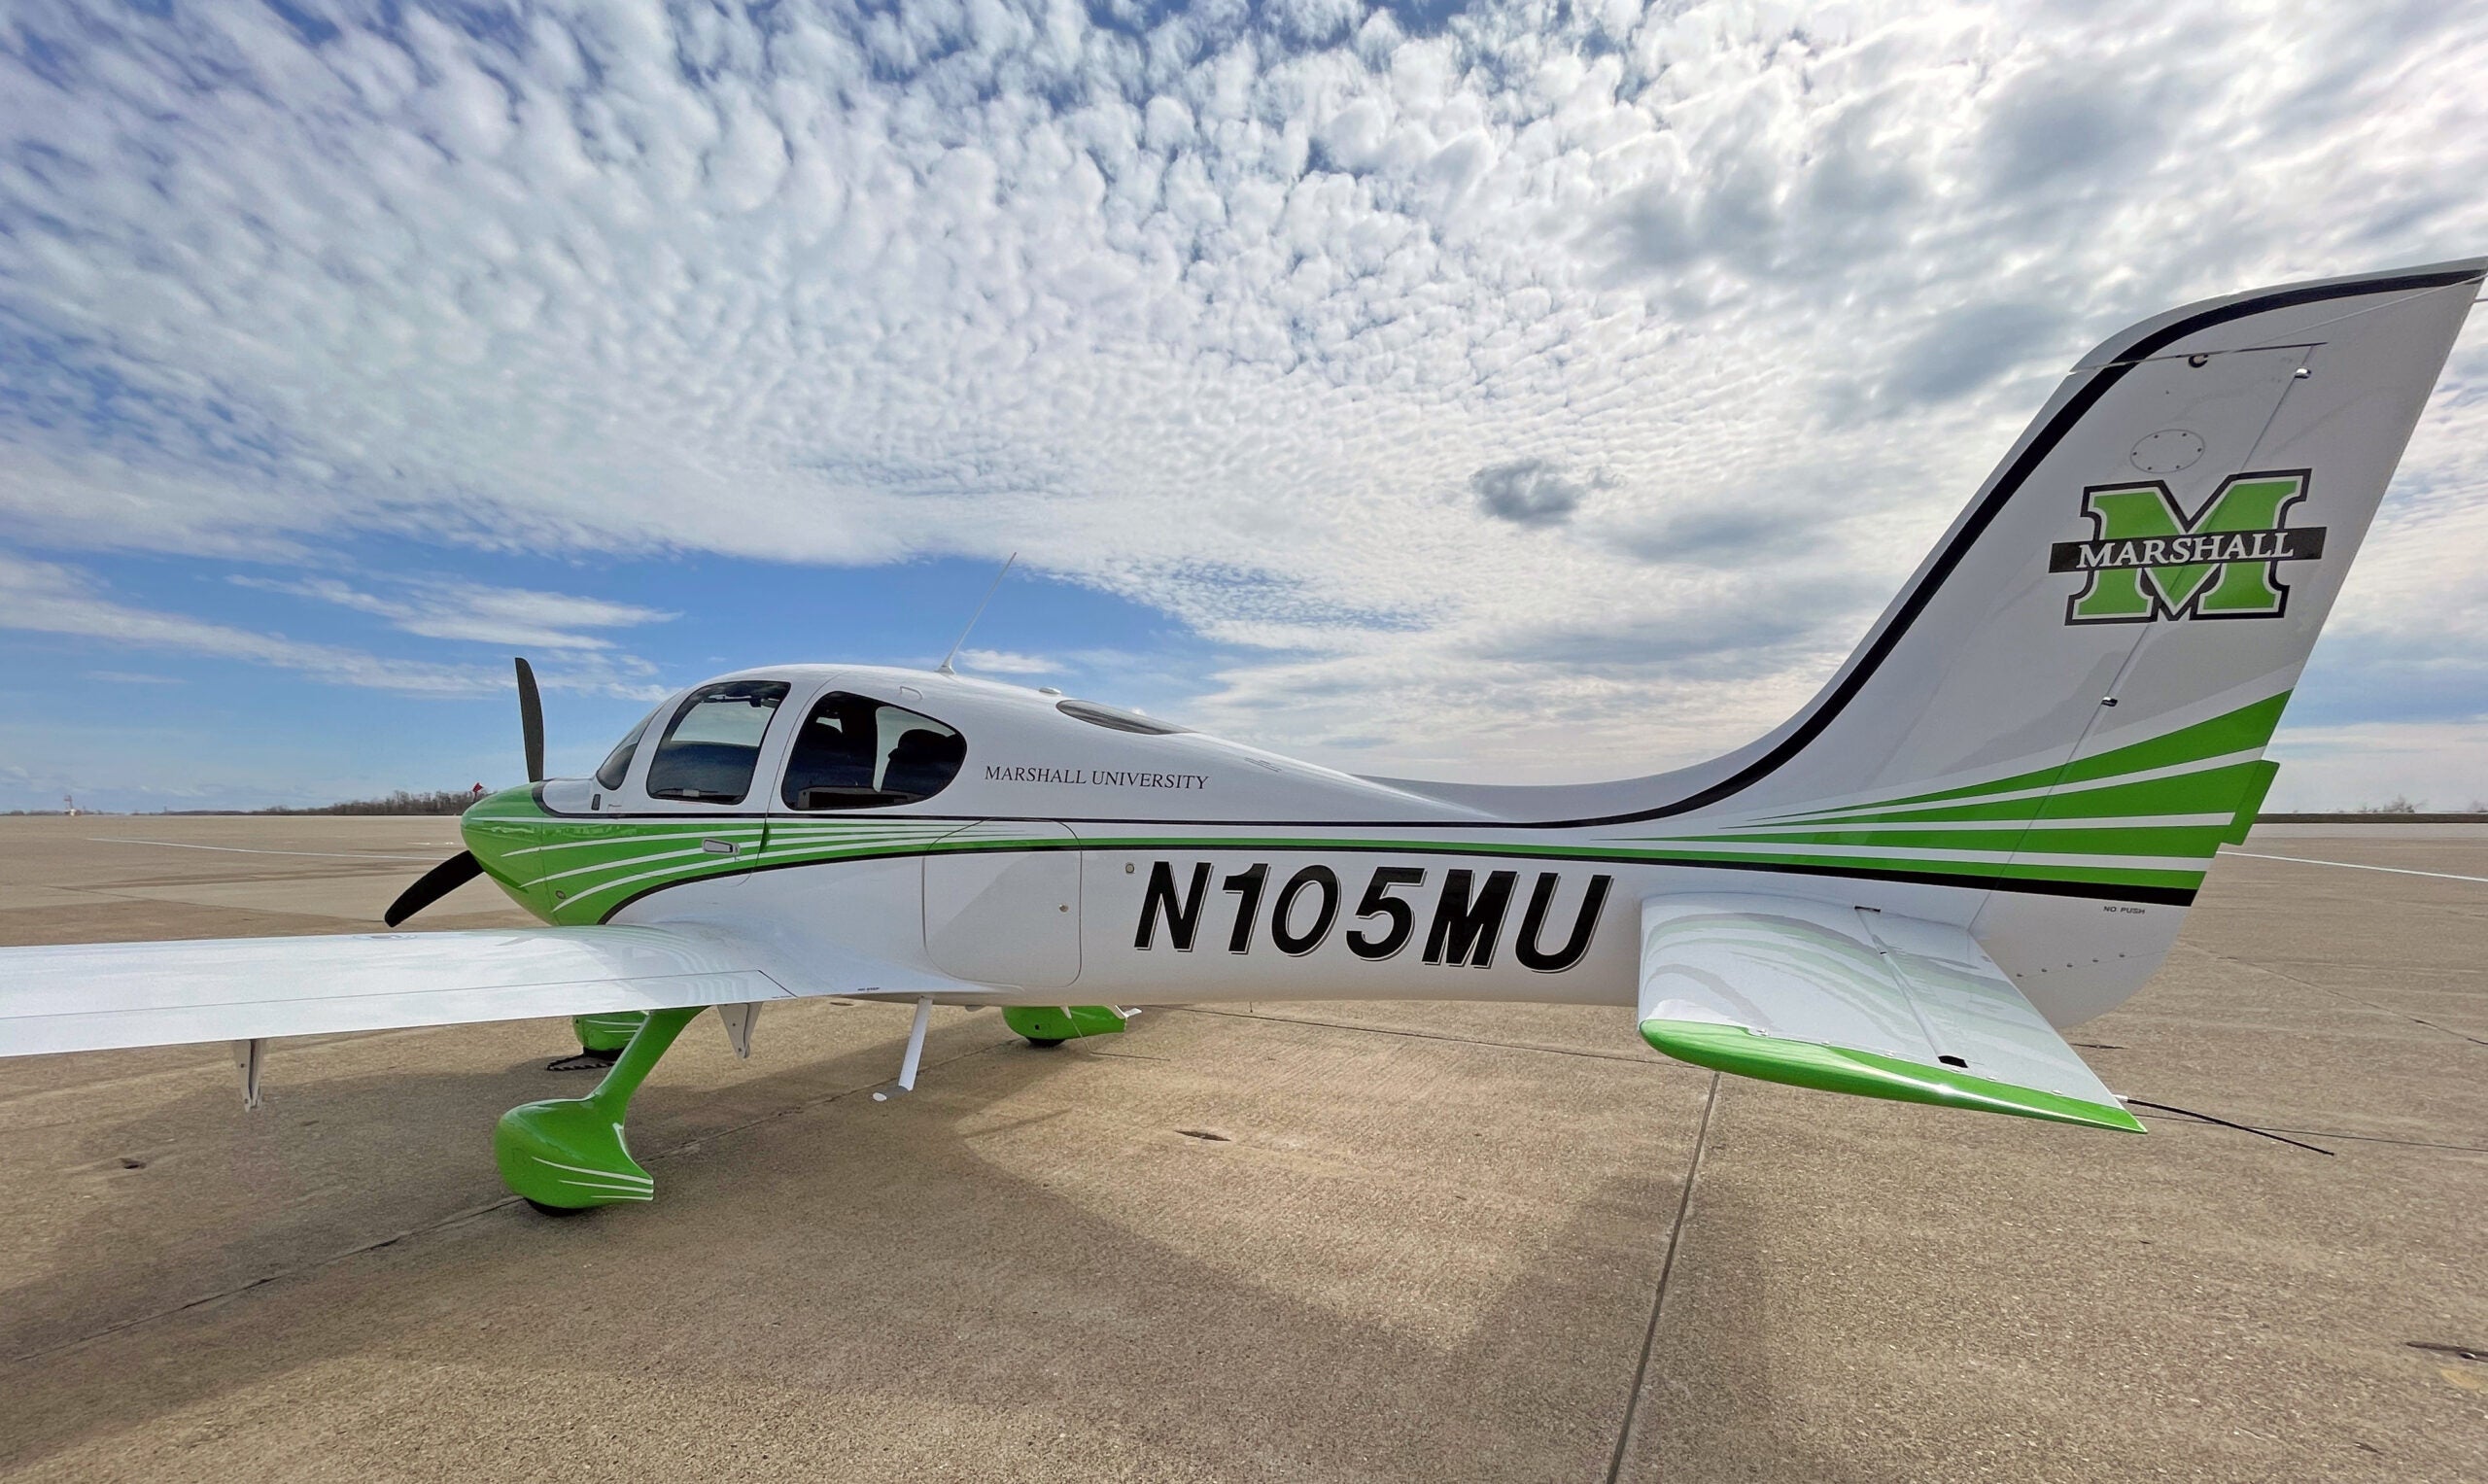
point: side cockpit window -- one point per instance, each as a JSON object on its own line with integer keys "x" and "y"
{"x": 617, "y": 763}
{"x": 713, "y": 746}
{"x": 855, "y": 752}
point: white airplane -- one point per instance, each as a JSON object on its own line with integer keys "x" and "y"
{"x": 1989, "y": 824}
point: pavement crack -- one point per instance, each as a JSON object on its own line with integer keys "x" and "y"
{"x": 2340, "y": 994}
{"x": 447, "y": 1223}
{"x": 2357, "y": 1138}
{"x": 138, "y": 1321}
{"x": 1666, "y": 1269}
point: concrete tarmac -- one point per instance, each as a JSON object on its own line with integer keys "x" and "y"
{"x": 1315, "y": 1241}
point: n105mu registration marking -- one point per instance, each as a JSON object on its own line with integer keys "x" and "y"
{"x": 1463, "y": 925}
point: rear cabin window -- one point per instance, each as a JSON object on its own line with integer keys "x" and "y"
{"x": 713, "y": 743}
{"x": 617, "y": 763}
{"x": 857, "y": 752}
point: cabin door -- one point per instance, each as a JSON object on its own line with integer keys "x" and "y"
{"x": 1002, "y": 903}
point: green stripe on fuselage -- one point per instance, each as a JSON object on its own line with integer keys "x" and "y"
{"x": 623, "y": 860}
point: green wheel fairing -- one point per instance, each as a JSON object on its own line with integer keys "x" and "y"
{"x": 569, "y": 1152}
{"x": 1865, "y": 1074}
{"x": 611, "y": 1031}
{"x": 1062, "y": 1023}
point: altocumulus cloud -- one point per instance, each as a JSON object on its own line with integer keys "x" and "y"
{"x": 1206, "y": 307}
{"x": 1528, "y": 492}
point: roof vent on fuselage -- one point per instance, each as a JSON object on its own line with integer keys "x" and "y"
{"x": 1097, "y": 715}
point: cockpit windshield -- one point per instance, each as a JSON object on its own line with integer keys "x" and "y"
{"x": 857, "y": 752}
{"x": 713, "y": 744}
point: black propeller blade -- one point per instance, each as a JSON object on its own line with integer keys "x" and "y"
{"x": 531, "y": 721}
{"x": 437, "y": 882}
{"x": 459, "y": 869}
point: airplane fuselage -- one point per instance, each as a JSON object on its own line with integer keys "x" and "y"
{"x": 1069, "y": 859}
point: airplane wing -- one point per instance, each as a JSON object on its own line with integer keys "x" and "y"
{"x": 1850, "y": 999}
{"x": 82, "y": 997}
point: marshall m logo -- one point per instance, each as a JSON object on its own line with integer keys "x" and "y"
{"x": 2148, "y": 560}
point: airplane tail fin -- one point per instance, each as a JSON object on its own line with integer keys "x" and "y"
{"x": 2073, "y": 693}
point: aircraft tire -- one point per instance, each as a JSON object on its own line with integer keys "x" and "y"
{"x": 546, "y": 1210}
{"x": 1041, "y": 1042}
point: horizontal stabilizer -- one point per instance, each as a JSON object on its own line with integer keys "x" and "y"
{"x": 1849, "y": 999}
{"x": 79, "y": 997}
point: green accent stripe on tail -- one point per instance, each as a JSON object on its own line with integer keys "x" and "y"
{"x": 2247, "y": 729}
{"x": 2197, "y": 842}
{"x": 2204, "y": 791}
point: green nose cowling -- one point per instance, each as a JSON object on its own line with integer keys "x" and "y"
{"x": 566, "y": 1154}
{"x": 502, "y": 831}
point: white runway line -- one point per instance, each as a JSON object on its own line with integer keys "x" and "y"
{"x": 175, "y": 844}
{"x": 2351, "y": 865}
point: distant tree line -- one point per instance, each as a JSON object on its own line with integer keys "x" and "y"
{"x": 2401, "y": 803}
{"x": 440, "y": 801}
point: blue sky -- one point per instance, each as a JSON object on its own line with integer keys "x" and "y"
{"x": 161, "y": 725}
{"x": 1429, "y": 389}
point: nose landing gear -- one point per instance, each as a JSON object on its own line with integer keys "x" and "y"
{"x": 566, "y": 1155}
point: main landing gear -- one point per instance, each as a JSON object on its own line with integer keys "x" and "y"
{"x": 1050, "y": 1025}
{"x": 602, "y": 1037}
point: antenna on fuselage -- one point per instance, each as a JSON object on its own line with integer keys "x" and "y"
{"x": 945, "y": 666}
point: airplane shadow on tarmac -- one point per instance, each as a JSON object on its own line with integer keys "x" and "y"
{"x": 900, "y": 1284}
